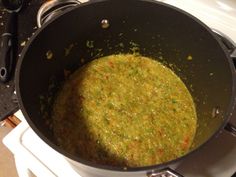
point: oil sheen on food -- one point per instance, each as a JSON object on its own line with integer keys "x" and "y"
{"x": 124, "y": 110}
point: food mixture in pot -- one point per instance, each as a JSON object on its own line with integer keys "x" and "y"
{"x": 124, "y": 110}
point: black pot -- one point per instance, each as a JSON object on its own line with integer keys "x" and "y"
{"x": 160, "y": 31}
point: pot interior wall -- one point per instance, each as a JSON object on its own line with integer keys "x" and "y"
{"x": 149, "y": 28}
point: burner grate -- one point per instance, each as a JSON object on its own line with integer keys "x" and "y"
{"x": 53, "y": 8}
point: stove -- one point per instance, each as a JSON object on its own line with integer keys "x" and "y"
{"x": 217, "y": 159}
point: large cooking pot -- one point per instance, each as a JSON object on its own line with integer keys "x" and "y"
{"x": 153, "y": 29}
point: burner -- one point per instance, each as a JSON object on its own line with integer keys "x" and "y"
{"x": 52, "y": 8}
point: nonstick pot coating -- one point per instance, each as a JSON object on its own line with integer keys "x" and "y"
{"x": 152, "y": 29}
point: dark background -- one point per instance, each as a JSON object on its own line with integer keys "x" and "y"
{"x": 27, "y": 24}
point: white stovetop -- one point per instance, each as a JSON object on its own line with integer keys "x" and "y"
{"x": 217, "y": 159}
{"x": 217, "y": 14}
{"x": 32, "y": 153}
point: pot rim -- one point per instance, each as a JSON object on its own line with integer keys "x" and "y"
{"x": 227, "y": 115}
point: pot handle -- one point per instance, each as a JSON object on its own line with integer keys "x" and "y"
{"x": 229, "y": 126}
{"x": 233, "y": 54}
{"x": 166, "y": 172}
{"x": 231, "y": 129}
{"x": 230, "y": 45}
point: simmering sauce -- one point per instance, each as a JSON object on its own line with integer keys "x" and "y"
{"x": 124, "y": 110}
